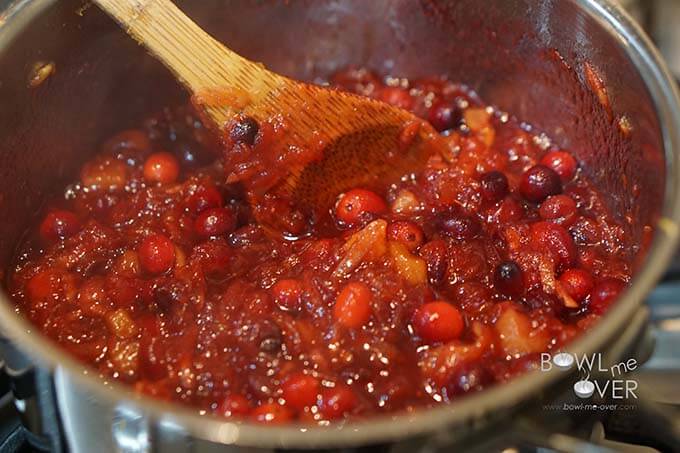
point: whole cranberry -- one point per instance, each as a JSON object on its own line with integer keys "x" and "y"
{"x": 300, "y": 390}
{"x": 215, "y": 222}
{"x": 435, "y": 254}
{"x": 494, "y": 185}
{"x": 131, "y": 139}
{"x": 293, "y": 222}
{"x": 59, "y": 225}
{"x": 604, "y": 293}
{"x": 272, "y": 413}
{"x": 562, "y": 163}
{"x": 156, "y": 254}
{"x": 234, "y": 405}
{"x": 337, "y": 401}
{"x": 539, "y": 182}
{"x": 204, "y": 197}
{"x": 358, "y": 206}
{"x": 244, "y": 130}
{"x": 359, "y": 80}
{"x": 438, "y": 321}
{"x": 396, "y": 96}
{"x": 556, "y": 240}
{"x": 509, "y": 278}
{"x": 459, "y": 225}
{"x": 406, "y": 232}
{"x": 161, "y": 167}
{"x": 287, "y": 294}
{"x": 444, "y": 116}
{"x": 577, "y": 283}
{"x": 560, "y": 209}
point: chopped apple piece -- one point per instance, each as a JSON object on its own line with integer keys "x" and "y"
{"x": 367, "y": 244}
{"x": 411, "y": 267}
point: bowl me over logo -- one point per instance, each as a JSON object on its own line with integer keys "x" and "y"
{"x": 612, "y": 384}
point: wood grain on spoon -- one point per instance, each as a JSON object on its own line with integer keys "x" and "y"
{"x": 364, "y": 142}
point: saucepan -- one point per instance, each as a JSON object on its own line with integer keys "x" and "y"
{"x": 579, "y": 70}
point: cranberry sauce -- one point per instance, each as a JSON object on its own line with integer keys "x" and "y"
{"x": 151, "y": 267}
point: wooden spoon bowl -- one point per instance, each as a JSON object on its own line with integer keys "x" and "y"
{"x": 360, "y": 141}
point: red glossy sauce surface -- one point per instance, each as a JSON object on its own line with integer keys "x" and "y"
{"x": 152, "y": 268}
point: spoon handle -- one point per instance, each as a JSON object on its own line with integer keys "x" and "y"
{"x": 223, "y": 81}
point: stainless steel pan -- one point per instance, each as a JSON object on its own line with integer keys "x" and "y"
{"x": 529, "y": 57}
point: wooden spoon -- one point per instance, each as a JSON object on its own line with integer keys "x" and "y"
{"x": 362, "y": 142}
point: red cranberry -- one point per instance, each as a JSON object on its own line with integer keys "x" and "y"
{"x": 509, "y": 278}
{"x": 359, "y": 80}
{"x": 204, "y": 197}
{"x": 458, "y": 225}
{"x": 539, "y": 182}
{"x": 300, "y": 390}
{"x": 406, "y": 232}
{"x": 353, "y": 305}
{"x": 59, "y": 225}
{"x": 396, "y": 391}
{"x": 272, "y": 413}
{"x": 213, "y": 257}
{"x": 604, "y": 293}
{"x": 156, "y": 254}
{"x": 435, "y": 254}
{"x": 438, "y": 321}
{"x": 161, "y": 167}
{"x": 104, "y": 173}
{"x": 337, "y": 401}
{"x": 288, "y": 294}
{"x": 398, "y": 97}
{"x": 494, "y": 185}
{"x": 244, "y": 131}
{"x": 131, "y": 139}
{"x": 560, "y": 209}
{"x": 234, "y": 405}
{"x": 215, "y": 222}
{"x": 444, "y": 115}
{"x": 358, "y": 206}
{"x": 577, "y": 283}
{"x": 562, "y": 163}
{"x": 510, "y": 211}
{"x": 555, "y": 239}
{"x": 293, "y": 222}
